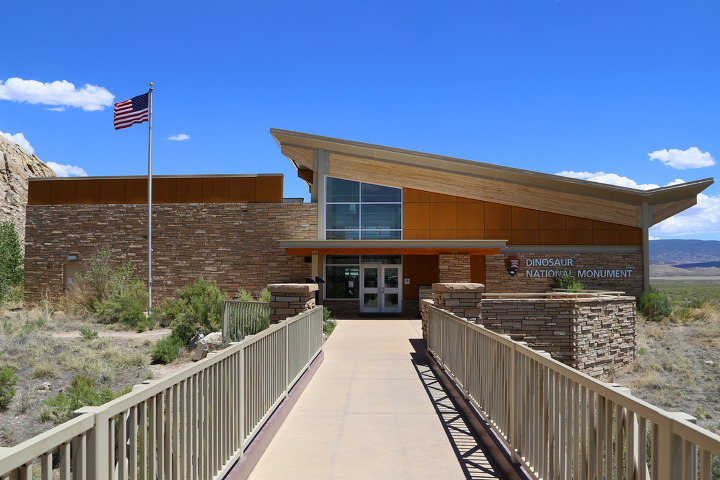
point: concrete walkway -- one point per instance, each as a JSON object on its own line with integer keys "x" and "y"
{"x": 373, "y": 411}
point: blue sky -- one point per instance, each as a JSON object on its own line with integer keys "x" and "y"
{"x": 582, "y": 87}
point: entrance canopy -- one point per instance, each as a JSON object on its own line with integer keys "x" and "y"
{"x": 392, "y": 247}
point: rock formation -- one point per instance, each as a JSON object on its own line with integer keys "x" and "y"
{"x": 16, "y": 166}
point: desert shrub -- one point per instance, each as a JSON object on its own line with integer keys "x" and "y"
{"x": 81, "y": 393}
{"x": 88, "y": 333}
{"x": 264, "y": 295}
{"x": 243, "y": 295}
{"x": 566, "y": 281}
{"x": 113, "y": 293}
{"x": 198, "y": 309}
{"x": 199, "y": 306}
{"x": 11, "y": 263}
{"x": 329, "y": 323}
{"x": 654, "y": 305}
{"x": 8, "y": 380}
{"x": 166, "y": 350}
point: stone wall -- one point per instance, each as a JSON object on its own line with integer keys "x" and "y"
{"x": 454, "y": 267}
{"x": 234, "y": 243}
{"x": 609, "y": 270}
{"x": 595, "y": 335}
{"x": 290, "y": 299}
{"x": 462, "y": 299}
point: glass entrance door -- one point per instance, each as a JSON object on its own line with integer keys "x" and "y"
{"x": 380, "y": 288}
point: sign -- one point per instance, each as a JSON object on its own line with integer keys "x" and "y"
{"x": 512, "y": 265}
{"x": 559, "y": 267}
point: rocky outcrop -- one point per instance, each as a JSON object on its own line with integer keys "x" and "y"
{"x": 16, "y": 166}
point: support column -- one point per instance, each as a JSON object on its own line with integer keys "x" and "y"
{"x": 322, "y": 168}
{"x": 645, "y": 222}
{"x": 290, "y": 299}
{"x": 454, "y": 267}
{"x": 462, "y": 299}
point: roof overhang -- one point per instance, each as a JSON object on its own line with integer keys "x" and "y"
{"x": 392, "y": 247}
{"x": 484, "y": 181}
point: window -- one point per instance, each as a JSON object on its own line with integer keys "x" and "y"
{"x": 357, "y": 211}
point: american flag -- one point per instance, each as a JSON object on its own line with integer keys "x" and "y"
{"x": 131, "y": 111}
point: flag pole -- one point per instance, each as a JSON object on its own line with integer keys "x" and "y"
{"x": 150, "y": 197}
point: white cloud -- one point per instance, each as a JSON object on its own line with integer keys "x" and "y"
{"x": 20, "y": 139}
{"x": 690, "y": 158}
{"x": 179, "y": 137}
{"x": 702, "y": 218}
{"x": 67, "y": 170}
{"x": 612, "y": 179}
{"x": 650, "y": 237}
{"x": 62, "y": 93}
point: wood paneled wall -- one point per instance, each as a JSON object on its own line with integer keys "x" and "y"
{"x": 443, "y": 217}
{"x": 103, "y": 191}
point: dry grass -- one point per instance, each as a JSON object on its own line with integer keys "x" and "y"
{"x": 678, "y": 365}
{"x": 28, "y": 344}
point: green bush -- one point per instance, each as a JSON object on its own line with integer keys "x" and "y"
{"x": 566, "y": 281}
{"x": 8, "y": 379}
{"x": 11, "y": 263}
{"x": 166, "y": 350}
{"x": 88, "y": 333}
{"x": 114, "y": 294}
{"x": 199, "y": 309}
{"x": 654, "y": 305}
{"x": 201, "y": 305}
{"x": 329, "y": 323}
{"x": 81, "y": 393}
{"x": 244, "y": 296}
{"x": 264, "y": 295}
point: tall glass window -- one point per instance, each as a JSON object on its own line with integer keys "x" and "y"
{"x": 358, "y": 210}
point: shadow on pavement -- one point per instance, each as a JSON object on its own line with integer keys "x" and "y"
{"x": 467, "y": 446}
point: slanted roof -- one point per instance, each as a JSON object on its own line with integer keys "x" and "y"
{"x": 484, "y": 181}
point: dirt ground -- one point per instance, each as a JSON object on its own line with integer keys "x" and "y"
{"x": 47, "y": 350}
{"x": 678, "y": 369}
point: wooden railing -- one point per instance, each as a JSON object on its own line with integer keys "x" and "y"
{"x": 192, "y": 425}
{"x": 244, "y": 318}
{"x": 560, "y": 423}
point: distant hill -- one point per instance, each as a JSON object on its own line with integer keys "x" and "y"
{"x": 686, "y": 254}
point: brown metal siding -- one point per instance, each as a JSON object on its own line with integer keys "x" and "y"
{"x": 104, "y": 191}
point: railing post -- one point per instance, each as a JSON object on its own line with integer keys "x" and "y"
{"x": 287, "y": 357}
{"x": 514, "y": 437}
{"x": 243, "y": 403}
{"x": 662, "y": 458}
{"x": 465, "y": 358}
{"x": 98, "y": 443}
{"x": 225, "y": 324}
{"x": 680, "y": 458}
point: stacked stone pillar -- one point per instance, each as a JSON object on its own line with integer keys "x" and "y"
{"x": 290, "y": 299}
{"x": 454, "y": 267}
{"x": 462, "y": 299}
